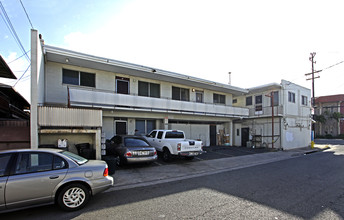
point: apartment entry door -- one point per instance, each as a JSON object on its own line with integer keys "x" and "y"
{"x": 245, "y": 136}
{"x": 120, "y": 127}
{"x": 212, "y": 135}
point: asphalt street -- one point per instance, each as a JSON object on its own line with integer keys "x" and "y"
{"x": 307, "y": 186}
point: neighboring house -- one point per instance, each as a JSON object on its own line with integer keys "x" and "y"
{"x": 291, "y": 121}
{"x": 14, "y": 121}
{"x": 329, "y": 115}
{"x": 84, "y": 98}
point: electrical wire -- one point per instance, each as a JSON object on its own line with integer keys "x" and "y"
{"x": 333, "y": 65}
{"x": 12, "y": 30}
{"x": 28, "y": 18}
{"x": 22, "y": 75}
{"x": 18, "y": 57}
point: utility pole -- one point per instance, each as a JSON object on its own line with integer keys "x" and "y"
{"x": 311, "y": 58}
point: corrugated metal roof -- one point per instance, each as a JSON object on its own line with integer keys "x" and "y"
{"x": 5, "y": 70}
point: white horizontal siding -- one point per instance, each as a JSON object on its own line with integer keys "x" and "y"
{"x": 69, "y": 117}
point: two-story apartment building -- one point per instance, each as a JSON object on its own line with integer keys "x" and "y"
{"x": 279, "y": 116}
{"x": 329, "y": 111}
{"x": 85, "y": 98}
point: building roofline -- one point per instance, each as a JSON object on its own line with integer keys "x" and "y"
{"x": 329, "y": 98}
{"x": 153, "y": 72}
{"x": 265, "y": 87}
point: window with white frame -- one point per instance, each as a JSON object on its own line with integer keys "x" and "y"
{"x": 248, "y": 100}
{"x": 78, "y": 78}
{"x": 122, "y": 85}
{"x": 149, "y": 89}
{"x": 291, "y": 97}
{"x": 304, "y": 100}
{"x": 144, "y": 126}
{"x": 180, "y": 94}
{"x": 259, "y": 103}
{"x": 199, "y": 96}
{"x": 218, "y": 98}
{"x": 275, "y": 99}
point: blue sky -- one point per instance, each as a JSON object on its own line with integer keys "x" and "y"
{"x": 258, "y": 41}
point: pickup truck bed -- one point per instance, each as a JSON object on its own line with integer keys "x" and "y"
{"x": 173, "y": 142}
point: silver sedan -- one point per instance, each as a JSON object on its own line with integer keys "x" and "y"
{"x": 31, "y": 178}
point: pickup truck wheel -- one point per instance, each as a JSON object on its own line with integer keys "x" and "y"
{"x": 189, "y": 158}
{"x": 166, "y": 155}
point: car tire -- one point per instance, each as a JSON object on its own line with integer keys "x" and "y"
{"x": 166, "y": 155}
{"x": 189, "y": 158}
{"x": 73, "y": 197}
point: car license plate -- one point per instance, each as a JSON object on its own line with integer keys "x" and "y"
{"x": 143, "y": 153}
{"x": 193, "y": 153}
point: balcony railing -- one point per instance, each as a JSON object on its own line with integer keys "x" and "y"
{"x": 105, "y": 99}
{"x": 265, "y": 111}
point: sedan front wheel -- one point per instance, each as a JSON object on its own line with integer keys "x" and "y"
{"x": 73, "y": 197}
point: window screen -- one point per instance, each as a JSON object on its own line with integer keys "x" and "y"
{"x": 249, "y": 100}
{"x": 259, "y": 99}
{"x": 219, "y": 98}
{"x": 73, "y": 77}
{"x": 87, "y": 79}
{"x": 154, "y": 90}
{"x": 143, "y": 88}
{"x": 70, "y": 77}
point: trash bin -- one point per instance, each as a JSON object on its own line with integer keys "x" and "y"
{"x": 85, "y": 150}
{"x": 111, "y": 162}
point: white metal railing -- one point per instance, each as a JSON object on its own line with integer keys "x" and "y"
{"x": 266, "y": 111}
{"x": 105, "y": 99}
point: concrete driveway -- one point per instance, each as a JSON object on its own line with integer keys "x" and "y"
{"x": 132, "y": 176}
{"x": 216, "y": 160}
{"x": 210, "y": 153}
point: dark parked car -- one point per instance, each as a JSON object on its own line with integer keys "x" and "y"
{"x": 31, "y": 178}
{"x": 130, "y": 149}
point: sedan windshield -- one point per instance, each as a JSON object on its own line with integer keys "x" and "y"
{"x": 135, "y": 142}
{"x": 79, "y": 160}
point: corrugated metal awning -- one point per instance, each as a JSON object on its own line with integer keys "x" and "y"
{"x": 5, "y": 70}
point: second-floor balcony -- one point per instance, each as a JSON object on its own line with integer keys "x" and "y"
{"x": 110, "y": 100}
{"x": 259, "y": 111}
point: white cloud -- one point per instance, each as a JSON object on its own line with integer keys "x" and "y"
{"x": 258, "y": 41}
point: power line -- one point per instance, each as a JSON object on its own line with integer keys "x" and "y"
{"x": 22, "y": 76}
{"x": 18, "y": 57}
{"x": 26, "y": 14}
{"x": 333, "y": 65}
{"x": 12, "y": 30}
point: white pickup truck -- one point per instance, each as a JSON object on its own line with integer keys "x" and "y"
{"x": 173, "y": 142}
